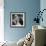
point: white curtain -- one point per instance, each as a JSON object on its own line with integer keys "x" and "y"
{"x": 1, "y": 20}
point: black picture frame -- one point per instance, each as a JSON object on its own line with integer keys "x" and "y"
{"x": 17, "y": 19}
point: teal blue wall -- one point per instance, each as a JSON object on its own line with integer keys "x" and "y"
{"x": 28, "y": 6}
{"x": 43, "y": 6}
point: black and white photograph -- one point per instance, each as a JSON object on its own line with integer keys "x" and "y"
{"x": 17, "y": 19}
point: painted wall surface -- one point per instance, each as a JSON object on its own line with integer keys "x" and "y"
{"x": 43, "y": 6}
{"x": 28, "y": 6}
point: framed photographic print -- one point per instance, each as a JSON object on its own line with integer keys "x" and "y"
{"x": 17, "y": 19}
